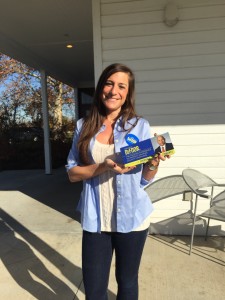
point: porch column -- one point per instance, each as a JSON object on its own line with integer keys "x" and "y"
{"x": 47, "y": 145}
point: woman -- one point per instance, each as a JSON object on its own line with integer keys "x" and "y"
{"x": 114, "y": 207}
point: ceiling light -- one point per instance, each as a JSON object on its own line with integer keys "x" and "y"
{"x": 69, "y": 46}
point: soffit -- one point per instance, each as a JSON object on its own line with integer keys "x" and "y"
{"x": 36, "y": 33}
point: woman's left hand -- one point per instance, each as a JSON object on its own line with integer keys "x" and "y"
{"x": 151, "y": 167}
{"x": 156, "y": 160}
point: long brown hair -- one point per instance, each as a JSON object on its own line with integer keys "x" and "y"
{"x": 93, "y": 122}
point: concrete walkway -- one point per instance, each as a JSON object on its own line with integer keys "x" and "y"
{"x": 40, "y": 248}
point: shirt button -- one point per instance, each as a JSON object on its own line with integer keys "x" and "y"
{"x": 119, "y": 196}
{"x": 118, "y": 209}
{"x": 116, "y": 141}
{"x": 118, "y": 181}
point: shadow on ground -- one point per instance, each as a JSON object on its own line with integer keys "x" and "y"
{"x": 22, "y": 263}
{"x": 206, "y": 249}
{"x": 28, "y": 270}
{"x": 53, "y": 190}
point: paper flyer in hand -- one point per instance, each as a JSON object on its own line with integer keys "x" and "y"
{"x": 162, "y": 144}
{"x": 140, "y": 152}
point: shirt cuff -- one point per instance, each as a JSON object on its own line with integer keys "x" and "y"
{"x": 70, "y": 166}
{"x": 144, "y": 182}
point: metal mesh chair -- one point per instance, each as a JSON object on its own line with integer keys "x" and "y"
{"x": 167, "y": 187}
{"x": 216, "y": 210}
{"x": 198, "y": 182}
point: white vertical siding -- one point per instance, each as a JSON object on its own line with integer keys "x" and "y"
{"x": 180, "y": 79}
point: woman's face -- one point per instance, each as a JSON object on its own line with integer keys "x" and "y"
{"x": 115, "y": 91}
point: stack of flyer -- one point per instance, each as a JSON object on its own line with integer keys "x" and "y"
{"x": 140, "y": 152}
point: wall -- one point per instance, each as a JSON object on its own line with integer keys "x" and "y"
{"x": 180, "y": 80}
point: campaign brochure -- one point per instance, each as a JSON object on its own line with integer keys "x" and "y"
{"x": 162, "y": 144}
{"x": 139, "y": 152}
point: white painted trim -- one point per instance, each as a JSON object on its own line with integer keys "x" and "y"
{"x": 97, "y": 38}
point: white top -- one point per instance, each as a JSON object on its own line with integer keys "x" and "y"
{"x": 106, "y": 190}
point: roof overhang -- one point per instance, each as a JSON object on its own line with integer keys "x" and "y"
{"x": 37, "y": 32}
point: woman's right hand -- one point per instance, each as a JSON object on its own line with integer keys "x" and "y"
{"x": 118, "y": 168}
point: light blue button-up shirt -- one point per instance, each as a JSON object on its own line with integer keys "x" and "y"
{"x": 132, "y": 202}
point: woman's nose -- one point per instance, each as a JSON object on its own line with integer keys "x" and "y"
{"x": 114, "y": 89}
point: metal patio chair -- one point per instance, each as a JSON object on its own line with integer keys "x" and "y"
{"x": 199, "y": 184}
{"x": 166, "y": 187}
{"x": 216, "y": 210}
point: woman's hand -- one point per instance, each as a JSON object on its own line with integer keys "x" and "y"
{"x": 156, "y": 159}
{"x": 151, "y": 167}
{"x": 118, "y": 168}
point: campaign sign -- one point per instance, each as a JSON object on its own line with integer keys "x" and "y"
{"x": 137, "y": 153}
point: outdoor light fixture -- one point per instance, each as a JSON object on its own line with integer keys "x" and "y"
{"x": 171, "y": 14}
{"x": 69, "y": 46}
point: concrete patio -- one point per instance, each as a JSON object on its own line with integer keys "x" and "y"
{"x": 40, "y": 248}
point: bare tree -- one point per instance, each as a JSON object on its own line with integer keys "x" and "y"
{"x": 20, "y": 96}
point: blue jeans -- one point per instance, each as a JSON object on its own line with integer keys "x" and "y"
{"x": 97, "y": 251}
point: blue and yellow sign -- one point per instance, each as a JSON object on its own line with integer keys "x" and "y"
{"x": 137, "y": 152}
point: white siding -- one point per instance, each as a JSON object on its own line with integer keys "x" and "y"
{"x": 180, "y": 81}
